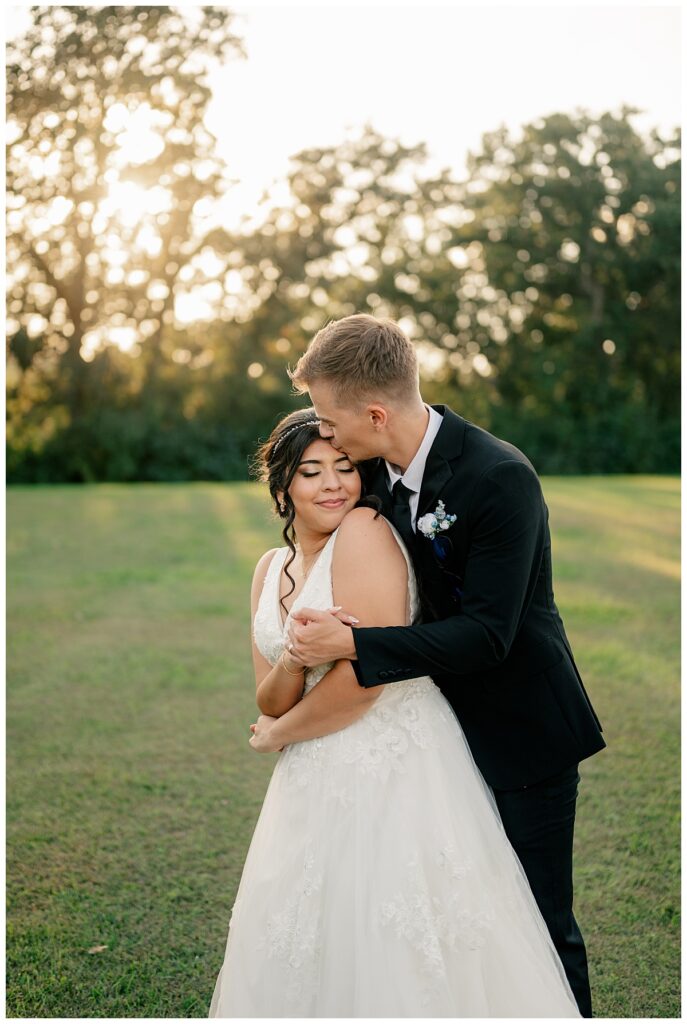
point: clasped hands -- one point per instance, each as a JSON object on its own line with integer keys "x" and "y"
{"x": 315, "y": 637}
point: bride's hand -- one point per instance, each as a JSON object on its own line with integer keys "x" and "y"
{"x": 291, "y": 661}
{"x": 262, "y": 739}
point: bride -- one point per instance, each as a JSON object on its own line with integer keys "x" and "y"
{"x": 379, "y": 881}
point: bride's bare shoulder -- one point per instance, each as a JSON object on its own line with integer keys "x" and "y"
{"x": 362, "y": 533}
{"x": 369, "y": 573}
{"x": 363, "y": 520}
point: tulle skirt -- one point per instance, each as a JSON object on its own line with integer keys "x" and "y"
{"x": 380, "y": 883}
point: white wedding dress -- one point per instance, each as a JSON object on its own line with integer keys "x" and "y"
{"x": 379, "y": 881}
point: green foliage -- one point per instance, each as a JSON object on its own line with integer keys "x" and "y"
{"x": 576, "y": 227}
{"x": 541, "y": 292}
{"x": 132, "y": 792}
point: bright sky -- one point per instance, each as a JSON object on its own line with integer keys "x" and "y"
{"x": 436, "y": 74}
{"x": 440, "y": 75}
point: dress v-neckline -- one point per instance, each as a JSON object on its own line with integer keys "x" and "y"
{"x": 281, "y": 621}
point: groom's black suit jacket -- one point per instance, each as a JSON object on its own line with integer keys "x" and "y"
{"x": 491, "y": 636}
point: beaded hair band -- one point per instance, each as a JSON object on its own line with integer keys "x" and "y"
{"x": 306, "y": 423}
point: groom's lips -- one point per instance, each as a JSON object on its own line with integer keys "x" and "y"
{"x": 333, "y": 504}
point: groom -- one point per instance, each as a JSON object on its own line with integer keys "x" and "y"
{"x": 470, "y": 509}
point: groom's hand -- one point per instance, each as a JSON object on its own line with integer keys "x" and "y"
{"x": 319, "y": 636}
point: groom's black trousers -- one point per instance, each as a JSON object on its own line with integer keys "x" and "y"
{"x": 539, "y": 821}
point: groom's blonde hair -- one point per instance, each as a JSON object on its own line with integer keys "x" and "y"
{"x": 360, "y": 357}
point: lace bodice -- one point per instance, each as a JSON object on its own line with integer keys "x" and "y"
{"x": 269, "y": 633}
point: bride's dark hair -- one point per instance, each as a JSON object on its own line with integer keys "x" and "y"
{"x": 275, "y": 463}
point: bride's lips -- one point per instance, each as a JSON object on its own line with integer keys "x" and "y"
{"x": 337, "y": 503}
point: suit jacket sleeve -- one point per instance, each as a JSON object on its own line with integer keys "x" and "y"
{"x": 507, "y": 521}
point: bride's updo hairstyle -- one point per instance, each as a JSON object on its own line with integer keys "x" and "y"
{"x": 275, "y": 463}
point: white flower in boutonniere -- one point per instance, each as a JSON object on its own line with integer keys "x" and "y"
{"x": 434, "y": 522}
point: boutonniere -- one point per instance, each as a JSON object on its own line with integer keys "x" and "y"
{"x": 434, "y": 522}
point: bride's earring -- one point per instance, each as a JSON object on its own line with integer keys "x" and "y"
{"x": 282, "y": 506}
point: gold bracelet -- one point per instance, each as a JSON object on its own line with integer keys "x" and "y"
{"x": 291, "y": 673}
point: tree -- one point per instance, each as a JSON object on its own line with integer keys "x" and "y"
{"x": 540, "y": 293}
{"x": 365, "y": 226}
{"x": 111, "y": 175}
{"x": 569, "y": 283}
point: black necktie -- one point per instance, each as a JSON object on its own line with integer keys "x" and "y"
{"x": 400, "y": 512}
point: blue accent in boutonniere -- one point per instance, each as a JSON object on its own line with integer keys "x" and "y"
{"x": 442, "y": 548}
{"x": 434, "y": 522}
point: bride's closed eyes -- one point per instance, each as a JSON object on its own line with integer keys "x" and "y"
{"x": 338, "y": 467}
{"x": 345, "y": 468}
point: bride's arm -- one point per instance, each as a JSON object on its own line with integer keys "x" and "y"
{"x": 369, "y": 573}
{"x": 276, "y": 688}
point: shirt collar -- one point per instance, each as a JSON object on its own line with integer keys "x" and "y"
{"x": 412, "y": 478}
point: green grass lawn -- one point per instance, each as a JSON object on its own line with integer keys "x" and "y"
{"x": 132, "y": 791}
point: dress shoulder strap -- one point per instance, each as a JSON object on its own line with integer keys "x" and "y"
{"x": 413, "y": 597}
{"x": 270, "y": 583}
{"x": 276, "y": 563}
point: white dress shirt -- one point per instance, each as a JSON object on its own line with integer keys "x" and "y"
{"x": 412, "y": 478}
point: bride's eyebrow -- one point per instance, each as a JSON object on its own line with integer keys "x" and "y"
{"x": 318, "y": 462}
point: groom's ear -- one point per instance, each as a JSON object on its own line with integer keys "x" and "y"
{"x": 379, "y": 417}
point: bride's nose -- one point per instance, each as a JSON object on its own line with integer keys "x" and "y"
{"x": 330, "y": 480}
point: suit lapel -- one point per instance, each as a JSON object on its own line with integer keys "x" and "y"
{"x": 440, "y": 468}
